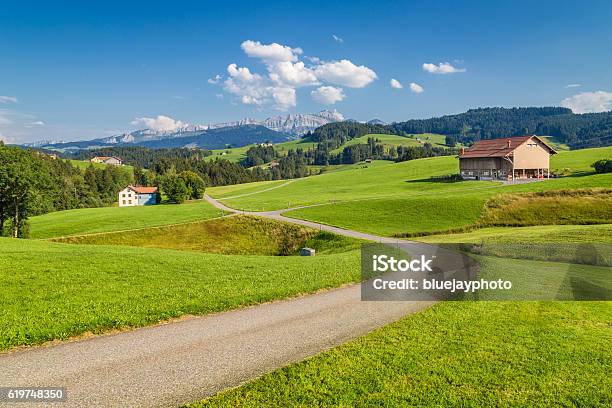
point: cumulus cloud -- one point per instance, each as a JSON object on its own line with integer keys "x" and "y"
{"x": 589, "y": 102}
{"x": 242, "y": 73}
{"x": 270, "y": 52}
{"x": 328, "y": 95}
{"x": 572, "y": 85}
{"x": 7, "y": 99}
{"x": 215, "y": 80}
{"x": 442, "y": 68}
{"x": 345, "y": 73}
{"x": 284, "y": 97}
{"x": 294, "y": 74}
{"x": 337, "y": 39}
{"x": 416, "y": 88}
{"x": 286, "y": 72}
{"x": 395, "y": 84}
{"x": 160, "y": 124}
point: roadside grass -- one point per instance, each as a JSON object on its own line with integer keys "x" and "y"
{"x": 237, "y": 235}
{"x": 393, "y": 216}
{"x": 94, "y": 220}
{"x": 536, "y": 234}
{"x": 246, "y": 188}
{"x": 54, "y": 291}
{"x": 581, "y": 206}
{"x": 455, "y": 354}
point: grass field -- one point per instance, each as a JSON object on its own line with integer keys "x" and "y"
{"x": 455, "y": 354}
{"x": 239, "y": 235}
{"x": 236, "y": 154}
{"x": 54, "y": 291}
{"x": 466, "y": 353}
{"x": 537, "y": 234}
{"x": 93, "y": 220}
{"x": 395, "y": 198}
{"x": 84, "y": 164}
{"x": 390, "y": 141}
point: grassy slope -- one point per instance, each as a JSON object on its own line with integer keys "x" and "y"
{"x": 462, "y": 353}
{"x": 236, "y": 154}
{"x": 456, "y": 354}
{"x": 579, "y": 161}
{"x": 537, "y": 234}
{"x": 393, "y": 141}
{"x": 399, "y": 198}
{"x": 93, "y": 220}
{"x": 240, "y": 235}
{"x": 84, "y": 164}
{"x": 54, "y": 291}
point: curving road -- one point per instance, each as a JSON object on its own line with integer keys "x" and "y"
{"x": 183, "y": 361}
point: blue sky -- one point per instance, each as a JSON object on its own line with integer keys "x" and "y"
{"x": 70, "y": 70}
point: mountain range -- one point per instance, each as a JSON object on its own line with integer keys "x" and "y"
{"x": 211, "y": 136}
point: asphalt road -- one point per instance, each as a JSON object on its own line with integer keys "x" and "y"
{"x": 180, "y": 362}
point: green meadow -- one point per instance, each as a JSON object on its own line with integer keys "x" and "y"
{"x": 467, "y": 353}
{"x": 95, "y": 220}
{"x": 236, "y": 235}
{"x": 54, "y": 291}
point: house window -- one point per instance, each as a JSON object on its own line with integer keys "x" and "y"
{"x": 123, "y": 202}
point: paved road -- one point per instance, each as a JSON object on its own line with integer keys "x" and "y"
{"x": 180, "y": 362}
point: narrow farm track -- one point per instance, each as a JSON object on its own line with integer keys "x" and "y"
{"x": 180, "y": 362}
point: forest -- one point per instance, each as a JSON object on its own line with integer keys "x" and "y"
{"x": 576, "y": 130}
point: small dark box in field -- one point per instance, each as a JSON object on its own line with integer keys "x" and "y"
{"x": 307, "y": 252}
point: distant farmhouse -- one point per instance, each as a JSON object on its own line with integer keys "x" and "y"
{"x": 513, "y": 158}
{"x": 107, "y": 160}
{"x": 137, "y": 195}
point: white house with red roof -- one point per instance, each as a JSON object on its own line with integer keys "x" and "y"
{"x": 137, "y": 195}
{"x": 511, "y": 158}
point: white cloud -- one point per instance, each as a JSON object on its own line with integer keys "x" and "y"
{"x": 345, "y": 73}
{"x": 219, "y": 96}
{"x": 270, "y": 52}
{"x": 395, "y": 84}
{"x": 285, "y": 73}
{"x": 337, "y": 39}
{"x": 328, "y": 95}
{"x": 442, "y": 68}
{"x": 284, "y": 97}
{"x": 416, "y": 88}
{"x": 572, "y": 85}
{"x": 241, "y": 73}
{"x": 215, "y": 80}
{"x": 7, "y": 99}
{"x": 294, "y": 74}
{"x": 161, "y": 123}
{"x": 588, "y": 102}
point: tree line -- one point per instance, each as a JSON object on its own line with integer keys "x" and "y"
{"x": 576, "y": 130}
{"x": 33, "y": 183}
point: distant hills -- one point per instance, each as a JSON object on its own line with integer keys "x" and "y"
{"x": 576, "y": 130}
{"x": 212, "y": 136}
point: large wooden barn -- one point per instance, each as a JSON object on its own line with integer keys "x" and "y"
{"x": 512, "y": 158}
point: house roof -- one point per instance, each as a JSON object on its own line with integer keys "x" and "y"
{"x": 501, "y": 147}
{"x": 107, "y": 157}
{"x": 143, "y": 190}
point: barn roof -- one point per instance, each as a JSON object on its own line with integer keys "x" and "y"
{"x": 501, "y": 147}
{"x": 143, "y": 190}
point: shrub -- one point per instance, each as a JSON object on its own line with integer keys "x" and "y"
{"x": 602, "y": 166}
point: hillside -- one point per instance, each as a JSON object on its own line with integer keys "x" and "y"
{"x": 575, "y": 130}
